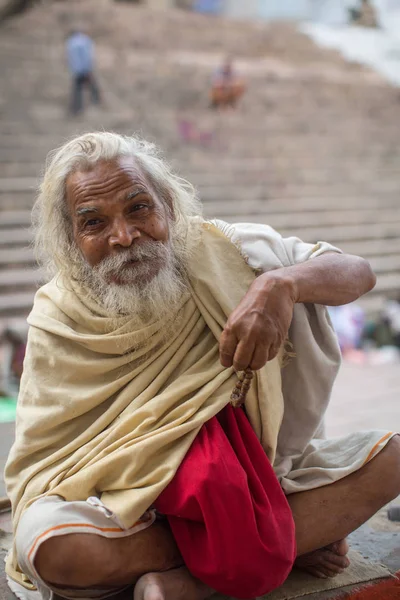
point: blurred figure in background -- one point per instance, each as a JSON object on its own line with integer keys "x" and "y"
{"x": 384, "y": 331}
{"x": 190, "y": 133}
{"x": 227, "y": 88}
{"x": 348, "y": 322}
{"x": 80, "y": 54}
{"x": 392, "y": 318}
{"x": 13, "y": 346}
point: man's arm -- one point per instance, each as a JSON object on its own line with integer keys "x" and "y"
{"x": 258, "y": 327}
{"x": 332, "y": 279}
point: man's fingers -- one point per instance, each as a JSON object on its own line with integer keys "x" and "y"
{"x": 273, "y": 351}
{"x": 227, "y": 348}
{"x": 243, "y": 355}
{"x": 260, "y": 357}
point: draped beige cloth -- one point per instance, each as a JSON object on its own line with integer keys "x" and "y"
{"x": 106, "y": 410}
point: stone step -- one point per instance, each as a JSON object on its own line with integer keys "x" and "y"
{"x": 20, "y": 278}
{"x": 310, "y": 197}
{"x": 373, "y": 248}
{"x": 186, "y": 160}
{"x": 15, "y": 218}
{"x": 14, "y": 323}
{"x": 226, "y": 150}
{"x": 373, "y": 304}
{"x": 15, "y": 236}
{"x": 11, "y": 170}
{"x": 16, "y": 256}
{"x": 290, "y": 172}
{"x": 228, "y": 174}
{"x": 243, "y": 129}
{"x": 328, "y": 143}
{"x": 313, "y": 219}
{"x": 232, "y": 180}
{"x": 18, "y": 184}
{"x": 16, "y": 303}
{"x": 248, "y": 203}
{"x": 387, "y": 283}
{"x": 386, "y": 264}
{"x": 291, "y": 126}
{"x": 344, "y": 233}
{"x": 16, "y": 201}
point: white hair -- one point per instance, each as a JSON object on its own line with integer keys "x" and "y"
{"x": 54, "y": 243}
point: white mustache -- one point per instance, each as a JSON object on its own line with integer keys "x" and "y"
{"x": 143, "y": 253}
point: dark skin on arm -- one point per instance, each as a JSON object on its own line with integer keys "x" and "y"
{"x": 258, "y": 327}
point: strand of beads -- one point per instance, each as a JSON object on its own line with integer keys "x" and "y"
{"x": 241, "y": 388}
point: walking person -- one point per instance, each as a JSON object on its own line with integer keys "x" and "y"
{"x": 80, "y": 54}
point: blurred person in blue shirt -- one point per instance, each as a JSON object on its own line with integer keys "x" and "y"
{"x": 80, "y": 55}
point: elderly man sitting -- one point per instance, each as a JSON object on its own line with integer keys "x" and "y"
{"x": 170, "y": 420}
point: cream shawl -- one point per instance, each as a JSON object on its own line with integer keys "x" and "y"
{"x": 108, "y": 411}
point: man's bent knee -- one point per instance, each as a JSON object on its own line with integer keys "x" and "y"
{"x": 80, "y": 560}
{"x": 387, "y": 466}
{"x": 393, "y": 464}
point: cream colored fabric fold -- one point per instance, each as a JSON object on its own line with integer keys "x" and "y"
{"x": 108, "y": 411}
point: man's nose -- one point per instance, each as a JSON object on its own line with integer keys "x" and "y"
{"x": 123, "y": 234}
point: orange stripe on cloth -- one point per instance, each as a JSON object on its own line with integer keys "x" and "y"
{"x": 65, "y": 526}
{"x": 371, "y": 454}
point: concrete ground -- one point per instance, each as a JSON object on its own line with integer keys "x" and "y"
{"x": 365, "y": 397}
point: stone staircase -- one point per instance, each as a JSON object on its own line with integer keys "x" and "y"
{"x": 312, "y": 150}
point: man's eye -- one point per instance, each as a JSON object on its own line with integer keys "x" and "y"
{"x": 92, "y": 222}
{"x": 139, "y": 206}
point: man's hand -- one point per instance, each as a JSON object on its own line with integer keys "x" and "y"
{"x": 258, "y": 327}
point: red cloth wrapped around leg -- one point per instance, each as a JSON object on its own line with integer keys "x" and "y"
{"x": 227, "y": 511}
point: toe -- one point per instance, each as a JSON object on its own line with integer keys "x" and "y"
{"x": 334, "y": 560}
{"x": 317, "y": 573}
{"x": 149, "y": 587}
{"x": 333, "y": 572}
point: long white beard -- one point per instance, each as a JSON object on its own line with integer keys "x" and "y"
{"x": 150, "y": 288}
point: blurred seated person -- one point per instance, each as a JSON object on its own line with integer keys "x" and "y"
{"x": 17, "y": 344}
{"x": 12, "y": 358}
{"x": 392, "y": 317}
{"x": 385, "y": 330}
{"x": 226, "y": 88}
{"x": 348, "y": 322}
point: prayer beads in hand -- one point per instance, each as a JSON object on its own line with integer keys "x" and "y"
{"x": 241, "y": 388}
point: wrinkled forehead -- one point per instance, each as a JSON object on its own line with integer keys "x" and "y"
{"x": 103, "y": 178}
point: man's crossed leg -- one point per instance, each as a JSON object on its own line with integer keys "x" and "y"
{"x": 151, "y": 561}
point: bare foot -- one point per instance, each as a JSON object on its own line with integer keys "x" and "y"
{"x": 176, "y": 584}
{"x": 325, "y": 562}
